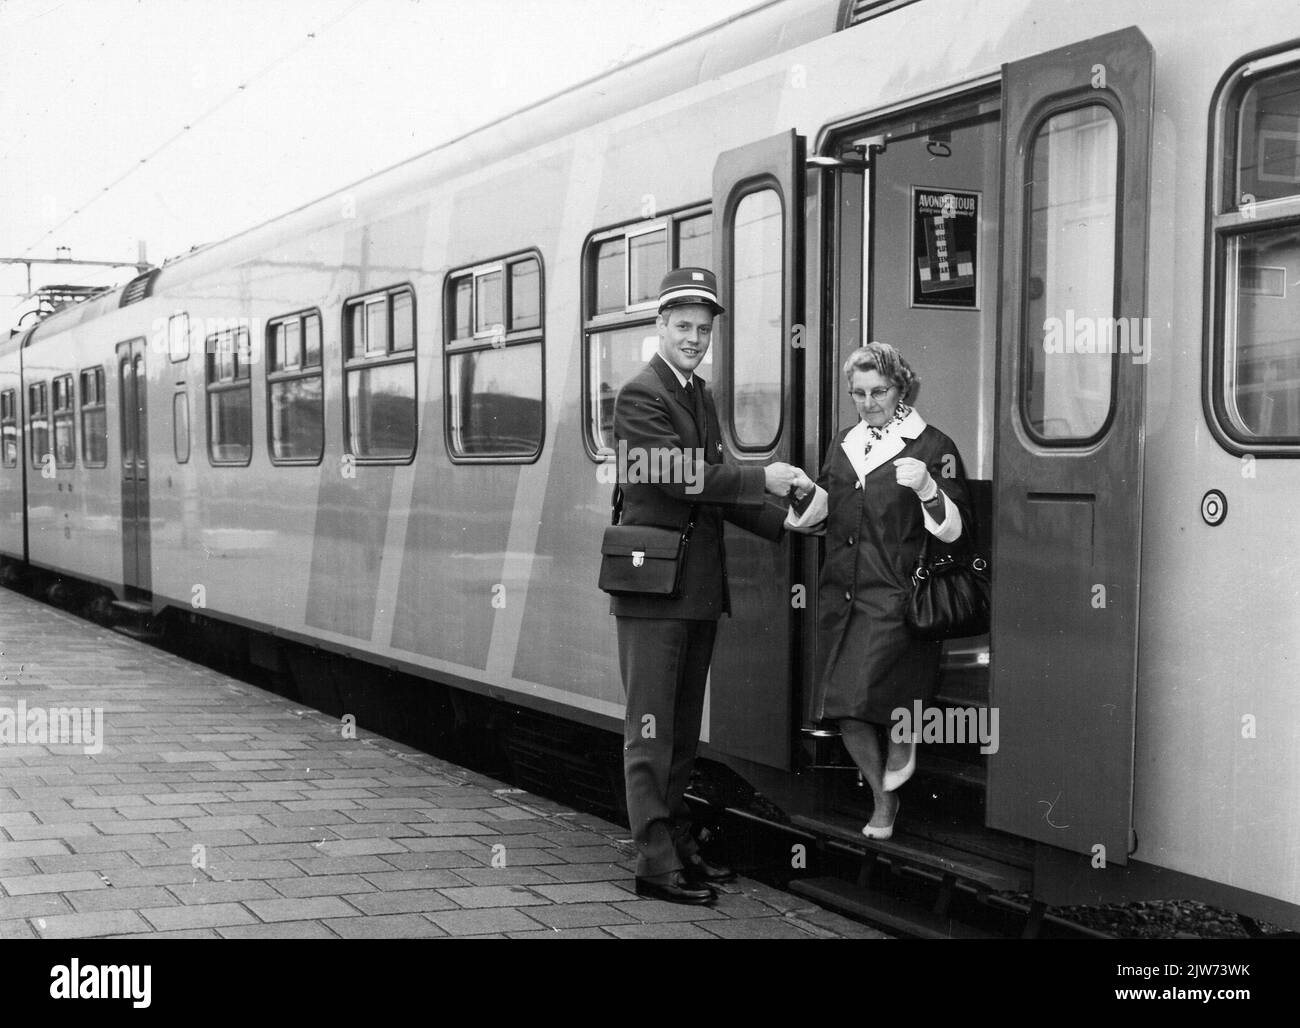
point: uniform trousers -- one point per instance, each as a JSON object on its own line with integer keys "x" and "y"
{"x": 665, "y": 666}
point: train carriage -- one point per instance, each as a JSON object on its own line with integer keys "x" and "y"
{"x": 380, "y": 424}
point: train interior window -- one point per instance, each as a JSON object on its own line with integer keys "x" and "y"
{"x": 64, "y": 418}
{"x": 380, "y": 417}
{"x": 8, "y": 428}
{"x": 624, "y": 267}
{"x": 178, "y": 336}
{"x": 495, "y": 372}
{"x": 1258, "y": 256}
{"x": 1070, "y": 269}
{"x": 38, "y": 423}
{"x": 230, "y": 400}
{"x": 94, "y": 419}
{"x": 757, "y": 289}
{"x": 294, "y": 394}
{"x": 181, "y": 427}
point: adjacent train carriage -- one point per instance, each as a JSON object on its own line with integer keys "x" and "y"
{"x": 381, "y": 424}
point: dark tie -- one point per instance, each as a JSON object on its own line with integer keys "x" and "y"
{"x": 697, "y": 408}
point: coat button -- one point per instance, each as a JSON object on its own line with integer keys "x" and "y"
{"x": 848, "y": 595}
{"x": 857, "y": 485}
{"x": 850, "y": 540}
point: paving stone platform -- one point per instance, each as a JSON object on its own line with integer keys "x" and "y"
{"x": 215, "y": 809}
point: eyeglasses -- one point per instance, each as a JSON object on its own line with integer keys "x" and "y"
{"x": 877, "y": 394}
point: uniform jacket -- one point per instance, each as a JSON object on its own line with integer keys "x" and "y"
{"x": 875, "y": 529}
{"x": 655, "y": 424}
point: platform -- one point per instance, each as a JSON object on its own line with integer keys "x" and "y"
{"x": 210, "y": 808}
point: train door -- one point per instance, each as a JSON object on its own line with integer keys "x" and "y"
{"x": 1076, "y": 139}
{"x": 132, "y": 398}
{"x": 758, "y": 387}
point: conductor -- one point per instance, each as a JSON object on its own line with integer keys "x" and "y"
{"x": 665, "y": 643}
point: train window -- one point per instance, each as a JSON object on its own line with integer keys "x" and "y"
{"x": 181, "y": 427}
{"x": 1066, "y": 391}
{"x": 38, "y": 423}
{"x": 757, "y": 288}
{"x": 380, "y": 416}
{"x": 647, "y": 262}
{"x": 64, "y": 418}
{"x": 295, "y": 411}
{"x": 1256, "y": 365}
{"x": 495, "y": 373}
{"x": 230, "y": 398}
{"x": 178, "y": 337}
{"x": 622, "y": 271}
{"x": 8, "y": 429}
{"x": 695, "y": 242}
{"x": 525, "y": 296}
{"x": 94, "y": 419}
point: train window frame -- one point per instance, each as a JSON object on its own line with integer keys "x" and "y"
{"x": 175, "y": 351}
{"x": 93, "y": 401}
{"x": 302, "y": 370}
{"x": 632, "y": 315}
{"x": 9, "y": 427}
{"x": 497, "y": 336}
{"x": 38, "y": 411}
{"x": 63, "y": 411}
{"x": 370, "y": 358}
{"x": 1029, "y": 337}
{"x": 240, "y": 379}
{"x": 763, "y": 184}
{"x": 1230, "y": 221}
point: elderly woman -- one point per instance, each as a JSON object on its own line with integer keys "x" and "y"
{"x": 888, "y": 482}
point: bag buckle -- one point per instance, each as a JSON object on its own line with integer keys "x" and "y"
{"x": 638, "y": 558}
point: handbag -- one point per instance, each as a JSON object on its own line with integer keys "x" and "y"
{"x": 950, "y": 595}
{"x": 642, "y": 560}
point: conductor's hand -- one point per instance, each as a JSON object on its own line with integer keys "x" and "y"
{"x": 912, "y": 473}
{"x": 780, "y": 477}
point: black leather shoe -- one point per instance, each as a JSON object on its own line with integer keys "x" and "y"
{"x": 699, "y": 871}
{"x": 675, "y": 888}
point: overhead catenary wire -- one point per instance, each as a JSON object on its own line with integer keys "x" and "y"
{"x": 193, "y": 122}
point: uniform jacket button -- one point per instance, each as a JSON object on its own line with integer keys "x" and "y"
{"x": 850, "y": 540}
{"x": 848, "y": 595}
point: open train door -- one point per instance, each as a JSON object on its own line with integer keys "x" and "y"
{"x": 1068, "y": 476}
{"x": 758, "y": 388}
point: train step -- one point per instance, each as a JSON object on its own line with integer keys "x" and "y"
{"x": 923, "y": 846}
{"x": 135, "y": 619}
{"x": 888, "y": 912}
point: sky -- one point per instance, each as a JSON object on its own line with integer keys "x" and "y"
{"x": 181, "y": 122}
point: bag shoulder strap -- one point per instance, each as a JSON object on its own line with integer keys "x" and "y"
{"x": 616, "y": 512}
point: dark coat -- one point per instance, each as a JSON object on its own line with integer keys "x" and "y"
{"x": 653, "y": 417}
{"x": 874, "y": 533}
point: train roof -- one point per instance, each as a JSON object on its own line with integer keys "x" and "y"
{"x": 768, "y": 28}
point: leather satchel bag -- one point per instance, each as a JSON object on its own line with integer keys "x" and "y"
{"x": 643, "y": 559}
{"x": 950, "y": 595}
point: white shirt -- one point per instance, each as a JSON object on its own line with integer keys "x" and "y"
{"x": 888, "y": 447}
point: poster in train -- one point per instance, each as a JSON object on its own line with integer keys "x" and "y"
{"x": 945, "y": 238}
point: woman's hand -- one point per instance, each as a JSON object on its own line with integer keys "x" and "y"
{"x": 912, "y": 473}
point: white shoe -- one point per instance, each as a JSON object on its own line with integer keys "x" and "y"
{"x": 886, "y": 831}
{"x": 893, "y": 779}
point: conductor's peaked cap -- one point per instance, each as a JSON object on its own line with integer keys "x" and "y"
{"x": 689, "y": 285}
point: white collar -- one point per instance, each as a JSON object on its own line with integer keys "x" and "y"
{"x": 889, "y": 446}
{"x": 683, "y": 379}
